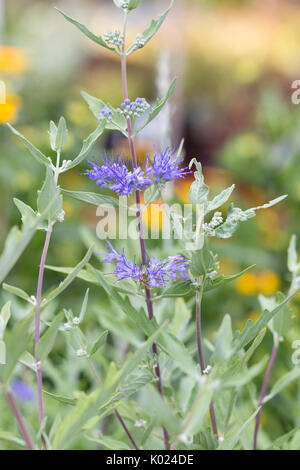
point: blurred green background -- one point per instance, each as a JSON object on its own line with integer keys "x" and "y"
{"x": 235, "y": 60}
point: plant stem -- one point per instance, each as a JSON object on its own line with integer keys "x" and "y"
{"x": 201, "y": 355}
{"x": 20, "y": 421}
{"x": 140, "y": 221}
{"x": 37, "y": 327}
{"x": 263, "y": 390}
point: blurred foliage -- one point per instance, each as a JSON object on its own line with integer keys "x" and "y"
{"x": 238, "y": 60}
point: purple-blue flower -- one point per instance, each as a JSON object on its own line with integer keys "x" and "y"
{"x": 124, "y": 268}
{"x": 165, "y": 166}
{"x": 22, "y": 391}
{"x": 160, "y": 272}
{"x": 156, "y": 273}
{"x": 116, "y": 175}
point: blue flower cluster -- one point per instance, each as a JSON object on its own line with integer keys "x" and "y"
{"x": 133, "y": 109}
{"x": 155, "y": 274}
{"x": 116, "y": 174}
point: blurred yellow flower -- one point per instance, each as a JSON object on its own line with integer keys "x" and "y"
{"x": 268, "y": 282}
{"x": 247, "y": 284}
{"x": 153, "y": 215}
{"x": 182, "y": 188}
{"x": 12, "y": 60}
{"x": 9, "y": 110}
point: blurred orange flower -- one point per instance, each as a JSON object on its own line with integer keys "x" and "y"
{"x": 13, "y": 60}
{"x": 9, "y": 110}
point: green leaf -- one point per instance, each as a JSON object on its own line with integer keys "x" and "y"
{"x": 152, "y": 29}
{"x": 17, "y": 241}
{"x": 2, "y": 352}
{"x": 159, "y": 105}
{"x": 109, "y": 443}
{"x": 16, "y": 340}
{"x": 96, "y": 105}
{"x": 203, "y": 261}
{"x": 215, "y": 283}
{"x": 283, "y": 321}
{"x": 6, "y": 436}
{"x": 87, "y": 32}
{"x": 231, "y": 440}
{"x": 283, "y": 382}
{"x": 283, "y": 439}
{"x": 46, "y": 342}
{"x": 133, "y": 4}
{"x": 223, "y": 340}
{"x": 84, "y": 306}
{"x": 61, "y": 398}
{"x": 61, "y": 135}
{"x": 53, "y": 134}
{"x": 36, "y": 153}
{"x": 17, "y": 291}
{"x": 4, "y": 317}
{"x": 87, "y": 146}
{"x": 241, "y": 339}
{"x": 48, "y": 193}
{"x": 219, "y": 200}
{"x": 178, "y": 289}
{"x": 89, "y": 406}
{"x": 235, "y": 215}
{"x": 99, "y": 343}
{"x": 27, "y": 213}
{"x": 70, "y": 277}
{"x": 199, "y": 190}
{"x": 92, "y": 198}
{"x": 292, "y": 255}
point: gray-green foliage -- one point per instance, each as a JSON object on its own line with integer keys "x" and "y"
{"x": 128, "y": 383}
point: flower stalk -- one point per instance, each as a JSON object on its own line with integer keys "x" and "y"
{"x": 139, "y": 217}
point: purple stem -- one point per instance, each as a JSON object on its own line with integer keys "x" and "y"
{"x": 126, "y": 429}
{"x": 140, "y": 227}
{"x": 19, "y": 419}
{"x": 201, "y": 359}
{"x": 263, "y": 392}
{"x": 37, "y": 328}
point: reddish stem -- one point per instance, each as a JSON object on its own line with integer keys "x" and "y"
{"x": 20, "y": 421}
{"x": 140, "y": 226}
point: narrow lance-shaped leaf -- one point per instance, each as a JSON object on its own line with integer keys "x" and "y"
{"x": 17, "y": 291}
{"x": 159, "y": 105}
{"x": 61, "y": 135}
{"x": 36, "y": 153}
{"x": 118, "y": 121}
{"x": 152, "y": 29}
{"x": 87, "y": 32}
{"x": 70, "y": 277}
{"x": 46, "y": 343}
{"x": 92, "y": 198}
{"x": 292, "y": 255}
{"x": 98, "y": 343}
{"x": 17, "y": 241}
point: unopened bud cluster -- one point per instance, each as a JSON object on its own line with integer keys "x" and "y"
{"x": 114, "y": 38}
{"x": 133, "y": 109}
{"x": 124, "y": 4}
{"x": 139, "y": 41}
{"x": 209, "y": 228}
{"x": 105, "y": 113}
